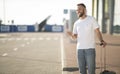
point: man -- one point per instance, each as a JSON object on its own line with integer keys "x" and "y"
{"x": 83, "y": 30}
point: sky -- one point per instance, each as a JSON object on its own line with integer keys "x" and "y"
{"x": 34, "y": 11}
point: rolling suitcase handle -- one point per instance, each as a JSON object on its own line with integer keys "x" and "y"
{"x": 103, "y": 62}
{"x": 104, "y": 71}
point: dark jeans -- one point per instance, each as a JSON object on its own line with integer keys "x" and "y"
{"x": 86, "y": 58}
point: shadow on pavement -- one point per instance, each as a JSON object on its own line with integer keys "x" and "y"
{"x": 70, "y": 69}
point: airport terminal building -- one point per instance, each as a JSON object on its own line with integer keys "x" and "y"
{"x": 106, "y": 12}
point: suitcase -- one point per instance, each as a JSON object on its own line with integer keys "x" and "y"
{"x": 107, "y": 72}
{"x": 104, "y": 71}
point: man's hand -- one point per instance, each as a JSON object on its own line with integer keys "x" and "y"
{"x": 69, "y": 33}
{"x": 103, "y": 43}
{"x": 73, "y": 36}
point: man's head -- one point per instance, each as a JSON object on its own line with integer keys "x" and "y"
{"x": 81, "y": 9}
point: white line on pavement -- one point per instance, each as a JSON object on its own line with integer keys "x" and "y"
{"x": 28, "y": 43}
{"x": 5, "y": 54}
{"x": 26, "y": 38}
{"x": 40, "y": 38}
{"x": 62, "y": 52}
{"x": 33, "y": 39}
{"x": 22, "y": 45}
{"x": 48, "y": 38}
{"x": 15, "y": 49}
{"x": 55, "y": 38}
{"x": 18, "y": 39}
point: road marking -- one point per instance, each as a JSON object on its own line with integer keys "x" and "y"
{"x": 22, "y": 45}
{"x": 33, "y": 39}
{"x": 5, "y": 54}
{"x": 26, "y": 39}
{"x": 48, "y": 38}
{"x": 55, "y": 38}
{"x": 40, "y": 38}
{"x": 15, "y": 49}
{"x": 62, "y": 52}
{"x": 18, "y": 39}
{"x": 28, "y": 43}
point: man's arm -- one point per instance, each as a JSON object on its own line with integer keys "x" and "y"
{"x": 103, "y": 43}
{"x": 73, "y": 36}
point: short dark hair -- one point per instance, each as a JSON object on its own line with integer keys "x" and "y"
{"x": 81, "y": 5}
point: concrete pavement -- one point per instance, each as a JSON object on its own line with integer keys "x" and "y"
{"x": 31, "y": 53}
{"x": 25, "y": 53}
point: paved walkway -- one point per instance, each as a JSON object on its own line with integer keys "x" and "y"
{"x": 3, "y": 35}
{"x": 30, "y": 53}
{"x": 112, "y": 55}
{"x": 70, "y": 62}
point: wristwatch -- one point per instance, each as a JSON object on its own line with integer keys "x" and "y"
{"x": 101, "y": 42}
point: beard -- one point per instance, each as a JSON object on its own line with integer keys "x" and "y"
{"x": 80, "y": 15}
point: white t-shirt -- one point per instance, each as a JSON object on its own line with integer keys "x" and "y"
{"x": 85, "y": 29}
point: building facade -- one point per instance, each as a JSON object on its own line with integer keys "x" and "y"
{"x": 107, "y": 14}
